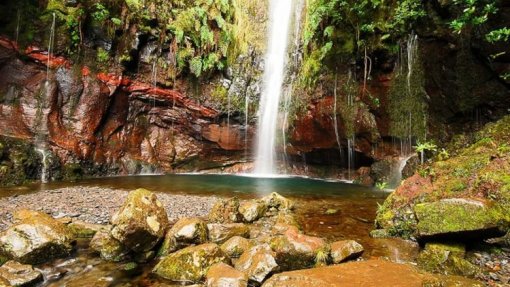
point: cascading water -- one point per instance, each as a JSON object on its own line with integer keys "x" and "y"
{"x": 279, "y": 24}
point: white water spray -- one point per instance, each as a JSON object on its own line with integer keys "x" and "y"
{"x": 280, "y": 16}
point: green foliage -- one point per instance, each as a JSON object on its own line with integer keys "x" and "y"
{"x": 474, "y": 12}
{"x": 498, "y": 35}
{"x": 100, "y": 13}
{"x": 381, "y": 185}
{"x": 425, "y": 146}
{"x": 102, "y": 56}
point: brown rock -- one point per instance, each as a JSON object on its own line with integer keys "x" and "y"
{"x": 225, "y": 211}
{"x": 219, "y": 233}
{"x": 18, "y": 274}
{"x": 345, "y": 250}
{"x": 222, "y": 275}
{"x": 236, "y": 246}
{"x": 185, "y": 232}
{"x": 258, "y": 262}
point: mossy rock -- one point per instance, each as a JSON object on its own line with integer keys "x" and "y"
{"x": 459, "y": 218}
{"x": 190, "y": 264}
{"x": 236, "y": 246}
{"x": 109, "y": 248}
{"x": 225, "y": 211}
{"x": 220, "y": 233}
{"x": 81, "y": 229}
{"x": 185, "y": 232}
{"x": 447, "y": 259}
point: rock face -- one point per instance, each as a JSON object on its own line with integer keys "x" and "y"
{"x": 37, "y": 238}
{"x": 344, "y": 250}
{"x": 219, "y": 233}
{"x": 185, "y": 232}
{"x": 458, "y": 218}
{"x": 222, "y": 275}
{"x": 225, "y": 211}
{"x": 190, "y": 264}
{"x": 108, "y": 247}
{"x": 365, "y": 273}
{"x": 141, "y": 222}
{"x": 258, "y": 262}
{"x": 17, "y": 274}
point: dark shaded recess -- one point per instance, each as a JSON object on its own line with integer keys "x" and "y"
{"x": 333, "y": 157}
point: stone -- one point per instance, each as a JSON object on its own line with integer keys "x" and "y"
{"x": 225, "y": 211}
{"x": 35, "y": 239}
{"x": 17, "y": 274}
{"x": 447, "y": 259}
{"x": 258, "y": 262}
{"x": 344, "y": 250}
{"x": 80, "y": 229}
{"x": 252, "y": 210}
{"x": 190, "y": 264}
{"x": 375, "y": 272}
{"x": 141, "y": 222}
{"x": 458, "y": 218}
{"x": 275, "y": 200}
{"x": 379, "y": 233}
{"x": 4, "y": 283}
{"x": 284, "y": 220}
{"x": 219, "y": 233}
{"x": 185, "y": 232}
{"x": 223, "y": 275}
{"x": 236, "y": 246}
{"x": 109, "y": 248}
{"x": 297, "y": 251}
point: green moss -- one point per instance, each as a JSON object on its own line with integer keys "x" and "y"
{"x": 447, "y": 259}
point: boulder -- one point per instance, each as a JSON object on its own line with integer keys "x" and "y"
{"x": 190, "y": 264}
{"x": 80, "y": 229}
{"x": 258, "y": 262}
{"x": 108, "y": 247}
{"x": 223, "y": 275}
{"x": 225, "y": 211}
{"x": 141, "y": 222}
{"x": 276, "y": 201}
{"x": 36, "y": 238}
{"x": 297, "y": 251}
{"x": 219, "y": 233}
{"x": 447, "y": 259}
{"x": 284, "y": 221}
{"x": 458, "y": 218}
{"x": 185, "y": 232}
{"x": 236, "y": 246}
{"x": 17, "y": 274}
{"x": 252, "y": 210}
{"x": 345, "y": 250}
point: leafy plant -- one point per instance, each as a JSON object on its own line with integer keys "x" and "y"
{"x": 422, "y": 147}
{"x": 381, "y": 185}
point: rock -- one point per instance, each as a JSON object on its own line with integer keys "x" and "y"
{"x": 345, "y": 250}
{"x": 225, "y": 211}
{"x": 297, "y": 251}
{"x": 379, "y": 233}
{"x": 363, "y": 273}
{"x": 284, "y": 220}
{"x": 222, "y": 275}
{"x": 191, "y": 263}
{"x": 219, "y": 233}
{"x": 18, "y": 274}
{"x": 37, "y": 238}
{"x": 80, "y": 229}
{"x": 236, "y": 246}
{"x": 4, "y": 283}
{"x": 252, "y": 210}
{"x": 258, "y": 262}
{"x": 185, "y": 232}
{"x": 141, "y": 222}
{"x": 275, "y": 200}
{"x": 108, "y": 247}
{"x": 458, "y": 218}
{"x": 447, "y": 259}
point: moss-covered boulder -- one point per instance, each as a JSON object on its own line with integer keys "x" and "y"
{"x": 258, "y": 262}
{"x": 225, "y": 211}
{"x": 190, "y": 264}
{"x": 109, "y": 248}
{"x": 236, "y": 246}
{"x": 297, "y": 251}
{"x": 219, "y": 233}
{"x": 185, "y": 232}
{"x": 344, "y": 250}
{"x": 17, "y": 274}
{"x": 80, "y": 229}
{"x": 141, "y": 222}
{"x": 278, "y": 202}
{"x": 252, "y": 210}
{"x": 223, "y": 275}
{"x": 447, "y": 259}
{"x": 460, "y": 219}
{"x": 36, "y": 238}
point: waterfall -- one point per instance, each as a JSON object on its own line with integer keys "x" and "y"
{"x": 280, "y": 16}
{"x": 335, "y": 119}
{"x": 44, "y": 170}
{"x": 412, "y": 49}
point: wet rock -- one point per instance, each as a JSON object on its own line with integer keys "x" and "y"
{"x": 36, "y": 238}
{"x": 80, "y": 229}
{"x": 185, "y": 232}
{"x": 190, "y": 264}
{"x": 236, "y": 246}
{"x": 222, "y": 275}
{"x": 18, "y": 274}
{"x": 458, "y": 218}
{"x": 108, "y": 247}
{"x": 275, "y": 200}
{"x": 297, "y": 251}
{"x": 447, "y": 259}
{"x": 219, "y": 233}
{"x": 258, "y": 262}
{"x": 345, "y": 250}
{"x": 225, "y": 211}
{"x": 252, "y": 210}
{"x": 141, "y": 222}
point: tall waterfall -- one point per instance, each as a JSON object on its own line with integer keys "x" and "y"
{"x": 279, "y": 25}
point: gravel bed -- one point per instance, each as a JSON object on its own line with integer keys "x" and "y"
{"x": 96, "y": 205}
